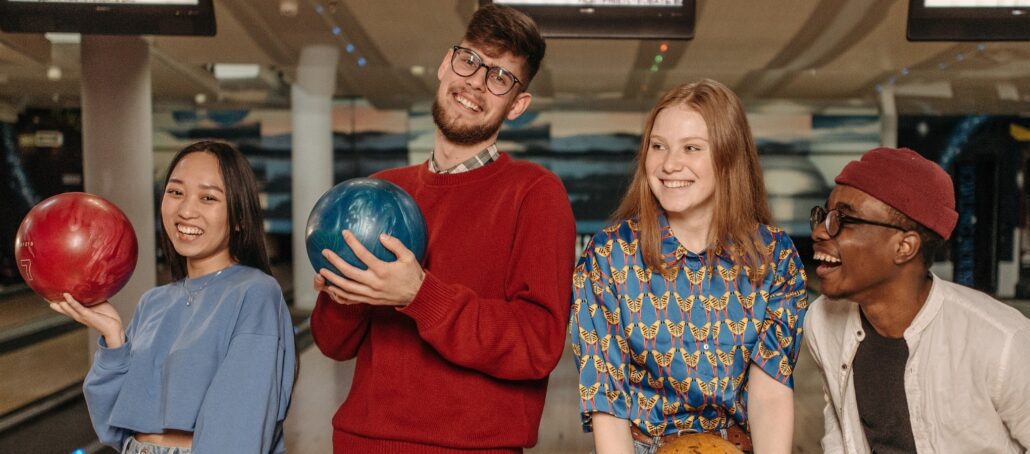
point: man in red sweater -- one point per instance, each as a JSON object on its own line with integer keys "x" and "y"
{"x": 455, "y": 354}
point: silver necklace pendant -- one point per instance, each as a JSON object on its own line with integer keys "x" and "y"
{"x": 191, "y": 294}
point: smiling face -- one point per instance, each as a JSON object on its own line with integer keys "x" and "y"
{"x": 679, "y": 165}
{"x": 194, "y": 213}
{"x": 859, "y": 262}
{"x": 465, "y": 111}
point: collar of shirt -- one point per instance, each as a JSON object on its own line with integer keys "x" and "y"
{"x": 488, "y": 155}
{"x": 672, "y": 250}
{"x": 941, "y": 345}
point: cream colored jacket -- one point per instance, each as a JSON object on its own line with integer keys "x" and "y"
{"x": 967, "y": 380}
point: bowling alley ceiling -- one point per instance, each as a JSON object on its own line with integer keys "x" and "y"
{"x": 799, "y": 55}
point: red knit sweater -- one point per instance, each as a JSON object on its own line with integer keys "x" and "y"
{"x": 465, "y": 365}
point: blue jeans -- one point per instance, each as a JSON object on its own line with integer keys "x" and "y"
{"x": 640, "y": 447}
{"x": 135, "y": 447}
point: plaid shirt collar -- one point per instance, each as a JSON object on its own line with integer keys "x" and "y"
{"x": 490, "y": 154}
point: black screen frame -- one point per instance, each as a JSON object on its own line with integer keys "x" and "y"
{"x": 967, "y": 23}
{"x": 108, "y": 18}
{"x": 612, "y": 22}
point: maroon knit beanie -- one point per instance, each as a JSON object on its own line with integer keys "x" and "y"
{"x": 909, "y": 183}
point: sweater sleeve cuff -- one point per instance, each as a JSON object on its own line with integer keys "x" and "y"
{"x": 112, "y": 358}
{"x": 431, "y": 303}
{"x": 333, "y": 312}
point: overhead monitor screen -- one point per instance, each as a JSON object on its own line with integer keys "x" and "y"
{"x": 594, "y": 2}
{"x": 121, "y": 2}
{"x": 976, "y": 3}
{"x": 632, "y": 19}
{"x": 109, "y": 17}
{"x": 968, "y": 20}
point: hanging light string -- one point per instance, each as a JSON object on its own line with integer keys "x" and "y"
{"x": 957, "y": 60}
{"x": 326, "y": 10}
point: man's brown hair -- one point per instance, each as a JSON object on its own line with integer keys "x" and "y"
{"x": 498, "y": 29}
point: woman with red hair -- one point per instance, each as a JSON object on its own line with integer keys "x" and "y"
{"x": 688, "y": 307}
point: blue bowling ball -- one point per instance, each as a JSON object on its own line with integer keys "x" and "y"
{"x": 367, "y": 207}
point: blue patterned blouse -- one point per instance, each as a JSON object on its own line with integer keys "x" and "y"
{"x": 671, "y": 352}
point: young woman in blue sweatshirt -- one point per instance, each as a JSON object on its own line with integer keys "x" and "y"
{"x": 207, "y": 363}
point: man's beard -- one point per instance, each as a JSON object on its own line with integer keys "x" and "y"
{"x": 463, "y": 135}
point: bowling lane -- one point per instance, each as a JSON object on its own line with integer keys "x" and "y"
{"x": 322, "y": 384}
{"x": 19, "y": 308}
{"x": 43, "y": 368}
{"x": 40, "y": 351}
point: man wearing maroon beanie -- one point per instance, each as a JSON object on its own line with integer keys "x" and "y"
{"x": 910, "y": 362}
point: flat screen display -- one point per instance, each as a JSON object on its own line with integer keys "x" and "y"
{"x": 976, "y": 3}
{"x": 657, "y": 3}
{"x": 120, "y": 2}
{"x": 969, "y": 20}
{"x": 631, "y": 19}
{"x": 109, "y": 17}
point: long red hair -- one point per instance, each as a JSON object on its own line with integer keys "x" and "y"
{"x": 740, "y": 200}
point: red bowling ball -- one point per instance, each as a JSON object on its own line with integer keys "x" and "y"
{"x": 76, "y": 243}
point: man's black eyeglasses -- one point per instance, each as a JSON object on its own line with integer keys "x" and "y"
{"x": 466, "y": 62}
{"x": 834, "y": 219}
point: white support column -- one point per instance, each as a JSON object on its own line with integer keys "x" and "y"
{"x": 312, "y": 157}
{"x": 421, "y": 133}
{"x": 117, "y": 146}
{"x": 888, "y": 118}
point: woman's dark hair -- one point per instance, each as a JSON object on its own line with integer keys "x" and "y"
{"x": 246, "y": 224}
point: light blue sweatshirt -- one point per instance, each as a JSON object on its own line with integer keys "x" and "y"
{"x": 221, "y": 367}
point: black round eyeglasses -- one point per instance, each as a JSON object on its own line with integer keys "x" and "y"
{"x": 833, "y": 219}
{"x": 466, "y": 62}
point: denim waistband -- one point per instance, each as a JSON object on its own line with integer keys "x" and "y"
{"x": 133, "y": 446}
